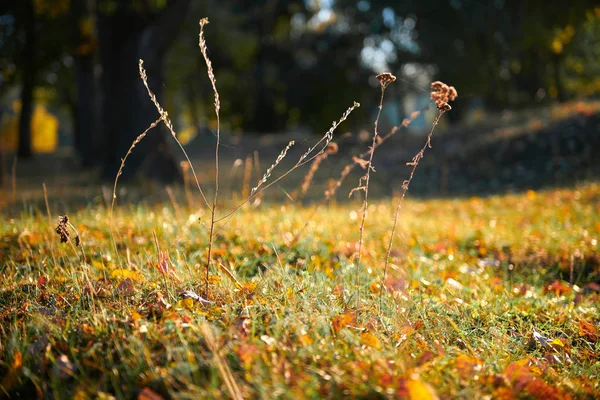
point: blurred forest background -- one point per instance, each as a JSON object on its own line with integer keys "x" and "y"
{"x": 527, "y": 73}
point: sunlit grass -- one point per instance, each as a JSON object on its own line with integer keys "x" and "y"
{"x": 472, "y": 284}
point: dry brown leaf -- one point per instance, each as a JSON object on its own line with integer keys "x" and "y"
{"x": 342, "y": 321}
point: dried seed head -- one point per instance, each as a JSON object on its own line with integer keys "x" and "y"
{"x": 332, "y": 148}
{"x": 441, "y": 94}
{"x": 385, "y": 79}
{"x": 61, "y": 228}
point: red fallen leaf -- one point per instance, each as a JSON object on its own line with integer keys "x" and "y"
{"x": 588, "y": 330}
{"x": 41, "y": 281}
{"x": 342, "y": 321}
{"x": 557, "y": 287}
{"x": 149, "y": 394}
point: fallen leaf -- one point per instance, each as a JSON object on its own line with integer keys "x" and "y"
{"x": 342, "y": 321}
{"x": 125, "y": 273}
{"x": 588, "y": 330}
{"x": 370, "y": 340}
{"x": 414, "y": 389}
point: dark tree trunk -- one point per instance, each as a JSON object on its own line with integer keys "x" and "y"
{"x": 87, "y": 142}
{"x": 127, "y": 111}
{"x": 86, "y": 107}
{"x": 28, "y": 81}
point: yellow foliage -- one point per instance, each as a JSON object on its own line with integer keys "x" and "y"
{"x": 370, "y": 340}
{"x": 125, "y": 273}
{"x": 419, "y": 390}
{"x": 44, "y": 130}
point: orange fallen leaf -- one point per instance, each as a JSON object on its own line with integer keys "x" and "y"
{"x": 370, "y": 340}
{"x": 588, "y": 330}
{"x": 342, "y": 321}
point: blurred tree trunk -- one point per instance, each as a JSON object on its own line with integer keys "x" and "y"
{"x": 28, "y": 81}
{"x": 125, "y": 37}
{"x": 86, "y": 107}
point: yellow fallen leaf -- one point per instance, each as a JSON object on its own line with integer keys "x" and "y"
{"x": 188, "y": 303}
{"x": 125, "y": 273}
{"x": 369, "y": 340}
{"x": 418, "y": 390}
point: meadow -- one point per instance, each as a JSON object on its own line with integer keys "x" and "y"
{"x": 204, "y": 297}
{"x": 485, "y": 298}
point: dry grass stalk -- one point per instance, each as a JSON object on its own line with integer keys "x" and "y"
{"x": 441, "y": 93}
{"x": 185, "y": 169}
{"x": 164, "y": 116}
{"x": 119, "y": 173}
{"x": 307, "y": 157}
{"x": 230, "y": 382}
{"x": 332, "y": 188}
{"x": 247, "y": 176}
{"x": 49, "y": 222}
{"x": 230, "y": 275}
{"x": 332, "y": 148}
{"x": 213, "y": 81}
{"x": 385, "y": 79}
{"x": 327, "y": 137}
{"x": 174, "y": 202}
{"x": 257, "y": 168}
{"x": 272, "y": 167}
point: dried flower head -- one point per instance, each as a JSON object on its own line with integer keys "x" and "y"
{"x": 442, "y": 94}
{"x": 331, "y": 148}
{"x": 61, "y": 228}
{"x": 385, "y": 79}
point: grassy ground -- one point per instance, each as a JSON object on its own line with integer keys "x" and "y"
{"x": 493, "y": 298}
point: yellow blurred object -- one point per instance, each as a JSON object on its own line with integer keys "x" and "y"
{"x": 44, "y": 130}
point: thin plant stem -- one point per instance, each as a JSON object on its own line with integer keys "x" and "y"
{"x": 304, "y": 159}
{"x": 329, "y": 193}
{"x": 414, "y": 163}
{"x": 365, "y": 187}
{"x": 213, "y": 81}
